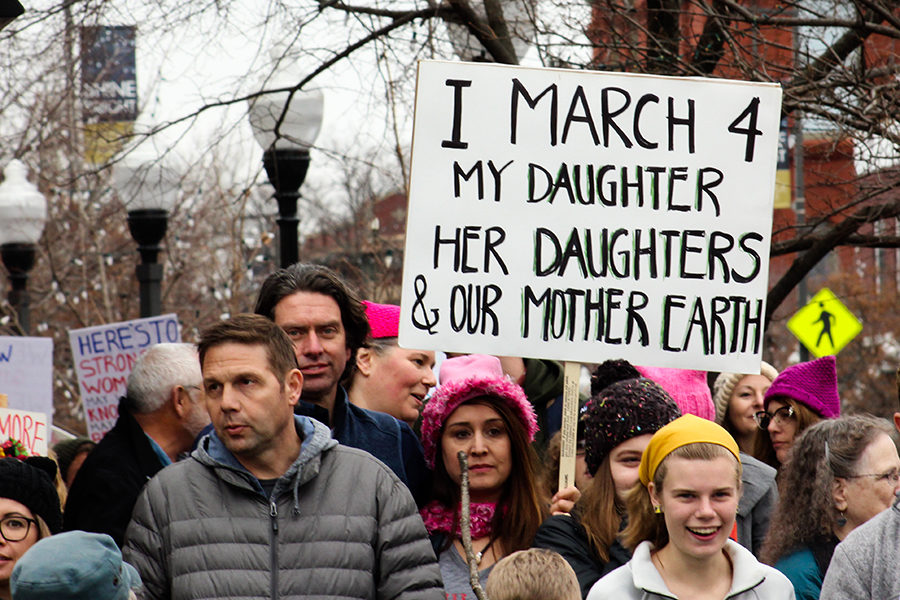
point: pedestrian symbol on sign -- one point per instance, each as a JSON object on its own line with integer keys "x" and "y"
{"x": 824, "y": 325}
{"x": 827, "y": 319}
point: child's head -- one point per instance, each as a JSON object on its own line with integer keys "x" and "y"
{"x": 535, "y": 574}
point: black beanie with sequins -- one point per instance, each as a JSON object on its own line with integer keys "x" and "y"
{"x": 621, "y": 411}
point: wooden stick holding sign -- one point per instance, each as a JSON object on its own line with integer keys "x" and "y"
{"x": 569, "y": 429}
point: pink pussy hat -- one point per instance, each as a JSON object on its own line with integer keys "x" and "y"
{"x": 464, "y": 378}
{"x": 384, "y": 319}
{"x": 687, "y": 387}
{"x": 813, "y": 384}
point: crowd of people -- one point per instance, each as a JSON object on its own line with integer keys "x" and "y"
{"x": 300, "y": 452}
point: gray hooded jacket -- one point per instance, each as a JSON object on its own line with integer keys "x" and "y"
{"x": 339, "y": 524}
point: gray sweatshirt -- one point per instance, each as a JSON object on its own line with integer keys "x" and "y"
{"x": 865, "y": 564}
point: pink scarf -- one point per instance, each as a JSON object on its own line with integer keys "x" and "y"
{"x": 439, "y": 518}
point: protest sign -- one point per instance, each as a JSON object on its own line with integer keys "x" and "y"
{"x": 103, "y": 357}
{"x": 26, "y": 372}
{"x": 579, "y": 216}
{"x": 28, "y": 427}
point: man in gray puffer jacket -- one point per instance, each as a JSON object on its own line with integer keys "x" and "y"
{"x": 269, "y": 506}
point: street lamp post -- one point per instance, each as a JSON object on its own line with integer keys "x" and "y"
{"x": 23, "y": 213}
{"x": 286, "y": 169}
{"x": 286, "y": 124}
{"x": 149, "y": 189}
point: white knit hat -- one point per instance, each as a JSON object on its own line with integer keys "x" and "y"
{"x": 724, "y": 387}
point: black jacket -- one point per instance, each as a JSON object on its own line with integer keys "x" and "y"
{"x": 565, "y": 535}
{"x": 108, "y": 483}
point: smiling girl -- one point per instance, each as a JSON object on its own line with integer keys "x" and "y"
{"x": 479, "y": 411}
{"x": 680, "y": 517}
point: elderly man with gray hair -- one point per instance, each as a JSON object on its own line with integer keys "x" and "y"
{"x": 161, "y": 414}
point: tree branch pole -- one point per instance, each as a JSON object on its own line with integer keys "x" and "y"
{"x": 465, "y": 526}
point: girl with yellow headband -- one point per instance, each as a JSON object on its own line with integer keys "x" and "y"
{"x": 680, "y": 517}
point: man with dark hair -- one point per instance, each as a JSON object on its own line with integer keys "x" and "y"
{"x": 326, "y": 323}
{"x": 269, "y": 505}
{"x": 159, "y": 417}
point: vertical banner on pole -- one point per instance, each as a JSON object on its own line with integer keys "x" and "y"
{"x": 108, "y": 89}
{"x": 783, "y": 173}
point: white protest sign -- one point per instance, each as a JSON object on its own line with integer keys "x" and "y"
{"x": 26, "y": 372}
{"x": 28, "y": 427}
{"x": 579, "y": 215}
{"x": 103, "y": 357}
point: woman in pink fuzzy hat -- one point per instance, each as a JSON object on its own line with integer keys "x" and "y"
{"x": 479, "y": 411}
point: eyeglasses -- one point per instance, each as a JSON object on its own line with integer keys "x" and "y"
{"x": 15, "y": 528}
{"x": 893, "y": 476}
{"x": 780, "y": 416}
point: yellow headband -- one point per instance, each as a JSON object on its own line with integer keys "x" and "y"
{"x": 689, "y": 429}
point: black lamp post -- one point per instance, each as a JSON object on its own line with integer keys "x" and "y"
{"x": 23, "y": 212}
{"x": 148, "y": 228}
{"x": 148, "y": 188}
{"x": 287, "y": 170}
{"x": 285, "y": 136}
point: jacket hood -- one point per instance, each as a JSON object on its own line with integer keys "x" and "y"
{"x": 316, "y": 437}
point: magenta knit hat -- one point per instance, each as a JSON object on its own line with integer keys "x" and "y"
{"x": 464, "y": 378}
{"x": 813, "y": 384}
{"x": 687, "y": 387}
{"x": 384, "y": 319}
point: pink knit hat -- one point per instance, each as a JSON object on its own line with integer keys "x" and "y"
{"x": 813, "y": 384}
{"x": 464, "y": 378}
{"x": 687, "y": 387}
{"x": 384, "y": 319}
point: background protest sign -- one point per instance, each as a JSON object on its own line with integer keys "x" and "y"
{"x": 103, "y": 357}
{"x": 580, "y": 215}
{"x": 30, "y": 428}
{"x": 26, "y": 372}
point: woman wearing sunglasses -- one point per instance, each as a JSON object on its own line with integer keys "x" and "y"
{"x": 840, "y": 474}
{"x": 29, "y": 510}
{"x": 801, "y": 395}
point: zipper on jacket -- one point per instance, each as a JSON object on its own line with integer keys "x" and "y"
{"x": 273, "y": 514}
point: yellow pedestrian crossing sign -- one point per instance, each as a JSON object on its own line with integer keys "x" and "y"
{"x": 824, "y": 325}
